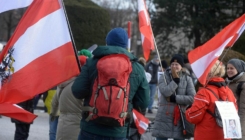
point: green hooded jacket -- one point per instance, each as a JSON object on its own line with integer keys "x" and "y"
{"x": 138, "y": 95}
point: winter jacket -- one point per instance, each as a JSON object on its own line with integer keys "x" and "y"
{"x": 70, "y": 112}
{"x": 206, "y": 126}
{"x": 138, "y": 94}
{"x": 185, "y": 91}
{"x": 153, "y": 70}
{"x": 240, "y": 99}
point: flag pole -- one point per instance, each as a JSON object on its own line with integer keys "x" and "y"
{"x": 217, "y": 66}
{"x": 129, "y": 36}
{"x": 71, "y": 35}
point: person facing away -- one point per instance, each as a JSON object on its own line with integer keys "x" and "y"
{"x": 176, "y": 88}
{"x": 206, "y": 126}
{"x": 116, "y": 41}
{"x": 70, "y": 108}
{"x": 152, "y": 67}
{"x": 235, "y": 74}
{"x": 70, "y": 111}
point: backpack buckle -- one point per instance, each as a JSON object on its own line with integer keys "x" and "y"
{"x": 95, "y": 111}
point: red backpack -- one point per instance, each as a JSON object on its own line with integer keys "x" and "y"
{"x": 109, "y": 100}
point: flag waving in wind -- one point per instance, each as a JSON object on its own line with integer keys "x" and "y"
{"x": 38, "y": 56}
{"x": 203, "y": 57}
{"x": 141, "y": 122}
{"x": 147, "y": 37}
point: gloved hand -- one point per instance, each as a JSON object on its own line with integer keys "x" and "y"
{"x": 173, "y": 98}
{"x": 175, "y": 76}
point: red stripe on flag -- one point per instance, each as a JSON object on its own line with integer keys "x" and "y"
{"x": 145, "y": 29}
{"x": 37, "y": 10}
{"x": 138, "y": 119}
{"x": 40, "y": 75}
{"x": 15, "y": 112}
{"x": 213, "y": 48}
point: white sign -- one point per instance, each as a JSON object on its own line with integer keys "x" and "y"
{"x": 230, "y": 119}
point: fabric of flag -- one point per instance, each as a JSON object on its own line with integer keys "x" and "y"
{"x": 39, "y": 56}
{"x": 147, "y": 37}
{"x": 6, "y": 5}
{"x": 203, "y": 58}
{"x": 141, "y": 122}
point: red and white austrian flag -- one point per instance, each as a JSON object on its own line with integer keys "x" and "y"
{"x": 203, "y": 58}
{"x": 38, "y": 56}
{"x": 141, "y": 122}
{"x": 147, "y": 37}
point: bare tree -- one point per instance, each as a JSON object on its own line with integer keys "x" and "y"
{"x": 9, "y": 21}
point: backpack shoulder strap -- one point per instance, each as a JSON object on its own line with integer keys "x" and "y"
{"x": 239, "y": 88}
{"x": 213, "y": 93}
{"x": 211, "y": 113}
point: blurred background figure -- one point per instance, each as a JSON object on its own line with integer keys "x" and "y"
{"x": 142, "y": 61}
{"x": 152, "y": 68}
{"x": 164, "y": 65}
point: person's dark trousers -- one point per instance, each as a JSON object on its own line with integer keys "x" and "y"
{"x": 89, "y": 136}
{"x": 21, "y": 131}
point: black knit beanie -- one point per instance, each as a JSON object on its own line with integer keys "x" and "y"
{"x": 178, "y": 59}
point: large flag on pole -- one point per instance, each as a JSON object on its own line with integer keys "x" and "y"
{"x": 202, "y": 58}
{"x": 147, "y": 37}
{"x": 38, "y": 56}
{"x": 6, "y": 5}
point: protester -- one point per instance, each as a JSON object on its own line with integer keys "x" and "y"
{"x": 116, "y": 40}
{"x": 176, "y": 88}
{"x": 206, "y": 126}
{"x": 70, "y": 108}
{"x": 142, "y": 61}
{"x": 152, "y": 68}
{"x": 22, "y": 128}
{"x": 235, "y": 76}
{"x": 70, "y": 111}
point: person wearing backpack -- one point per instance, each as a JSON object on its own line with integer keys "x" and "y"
{"x": 177, "y": 89}
{"x": 108, "y": 101}
{"x": 235, "y": 79}
{"x": 200, "y": 113}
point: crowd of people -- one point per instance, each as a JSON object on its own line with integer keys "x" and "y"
{"x": 76, "y": 110}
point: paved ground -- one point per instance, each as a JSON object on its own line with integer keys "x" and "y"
{"x": 38, "y": 131}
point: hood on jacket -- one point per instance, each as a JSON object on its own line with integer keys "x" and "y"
{"x": 64, "y": 84}
{"x": 221, "y": 86}
{"x": 107, "y": 50}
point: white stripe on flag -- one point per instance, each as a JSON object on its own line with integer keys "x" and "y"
{"x": 6, "y": 5}
{"x": 142, "y": 38}
{"x": 143, "y": 125}
{"x": 207, "y": 59}
{"x": 44, "y": 36}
